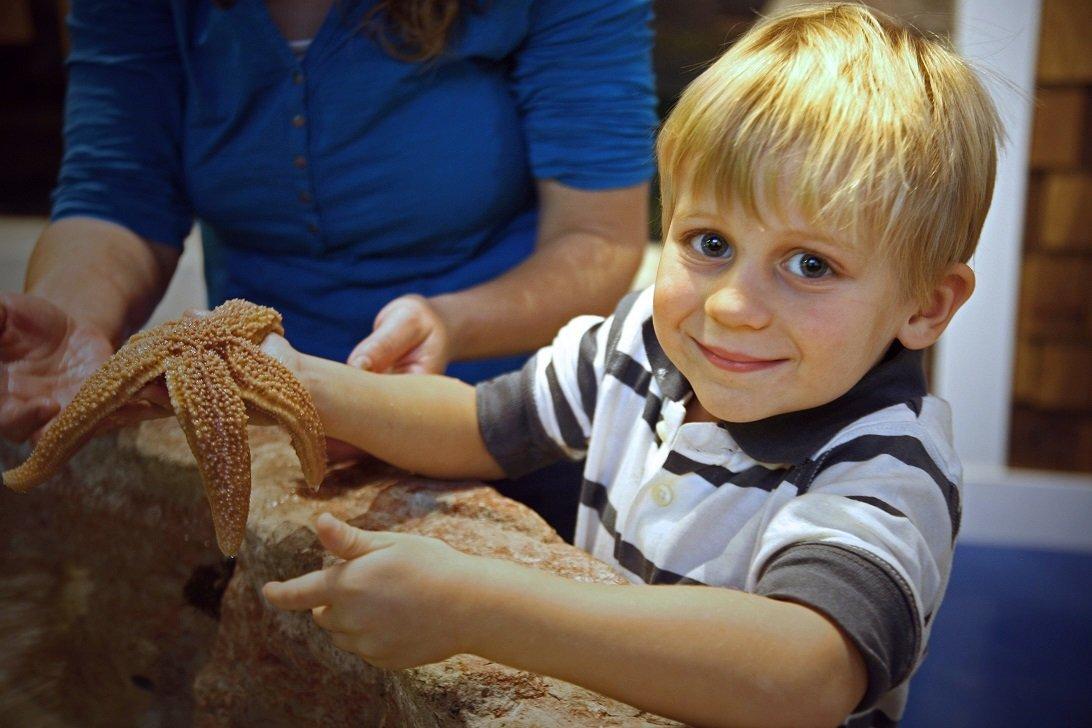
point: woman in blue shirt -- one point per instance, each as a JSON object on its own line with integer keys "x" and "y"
{"x": 463, "y": 177}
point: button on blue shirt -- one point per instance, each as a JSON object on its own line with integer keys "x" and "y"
{"x": 330, "y": 184}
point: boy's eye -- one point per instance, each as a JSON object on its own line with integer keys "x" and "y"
{"x": 711, "y": 245}
{"x": 809, "y": 265}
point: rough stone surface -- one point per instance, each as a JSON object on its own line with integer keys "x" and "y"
{"x": 110, "y": 609}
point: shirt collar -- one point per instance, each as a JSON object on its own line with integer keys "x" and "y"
{"x": 792, "y": 437}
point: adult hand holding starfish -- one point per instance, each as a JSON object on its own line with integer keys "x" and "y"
{"x": 45, "y": 355}
{"x": 214, "y": 373}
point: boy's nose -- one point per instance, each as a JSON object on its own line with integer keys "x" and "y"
{"x": 741, "y": 300}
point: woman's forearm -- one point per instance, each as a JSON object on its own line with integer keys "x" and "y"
{"x": 704, "y": 655}
{"x": 423, "y": 423}
{"x": 590, "y": 246}
{"x": 100, "y": 273}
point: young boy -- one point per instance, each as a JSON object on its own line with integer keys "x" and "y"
{"x": 760, "y": 444}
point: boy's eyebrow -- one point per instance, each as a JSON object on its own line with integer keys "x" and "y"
{"x": 695, "y": 215}
{"x": 801, "y": 234}
{"x": 841, "y": 244}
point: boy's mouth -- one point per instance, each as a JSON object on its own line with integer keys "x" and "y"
{"x": 734, "y": 361}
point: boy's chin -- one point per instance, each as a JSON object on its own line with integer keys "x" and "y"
{"x": 721, "y": 410}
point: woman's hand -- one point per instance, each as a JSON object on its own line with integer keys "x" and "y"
{"x": 396, "y": 600}
{"x": 409, "y": 337}
{"x": 45, "y": 355}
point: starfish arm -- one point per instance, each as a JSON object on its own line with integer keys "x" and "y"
{"x": 269, "y": 386}
{"x": 245, "y": 320}
{"x": 213, "y": 417}
{"x": 112, "y": 385}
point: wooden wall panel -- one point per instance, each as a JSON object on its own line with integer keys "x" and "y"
{"x": 1057, "y": 139}
{"x": 1045, "y": 441}
{"x": 1065, "y": 211}
{"x": 1065, "y": 29}
{"x": 1051, "y": 423}
{"x": 1056, "y": 297}
{"x": 1054, "y": 376}
{"x": 16, "y": 24}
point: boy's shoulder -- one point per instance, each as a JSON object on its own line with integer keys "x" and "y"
{"x": 900, "y": 457}
{"x": 924, "y": 423}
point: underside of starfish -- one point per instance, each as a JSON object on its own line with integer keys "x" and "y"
{"x": 214, "y": 372}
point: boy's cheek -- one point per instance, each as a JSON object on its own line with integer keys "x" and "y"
{"x": 674, "y": 298}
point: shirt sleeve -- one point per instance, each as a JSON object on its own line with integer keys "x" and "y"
{"x": 123, "y": 115}
{"x": 869, "y": 544}
{"x": 583, "y": 81}
{"x": 543, "y": 413}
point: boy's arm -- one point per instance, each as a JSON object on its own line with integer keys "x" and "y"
{"x": 704, "y": 655}
{"x": 423, "y": 423}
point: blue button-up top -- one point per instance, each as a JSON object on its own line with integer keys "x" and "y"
{"x": 329, "y": 184}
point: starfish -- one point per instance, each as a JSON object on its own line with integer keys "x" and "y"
{"x": 214, "y": 371}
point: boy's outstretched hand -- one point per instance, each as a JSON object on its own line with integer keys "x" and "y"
{"x": 396, "y": 600}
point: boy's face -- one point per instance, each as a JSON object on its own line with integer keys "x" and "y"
{"x": 766, "y": 316}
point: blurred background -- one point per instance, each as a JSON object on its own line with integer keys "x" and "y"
{"x": 1013, "y": 643}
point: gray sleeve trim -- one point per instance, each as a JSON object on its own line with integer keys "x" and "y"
{"x": 864, "y": 596}
{"x": 509, "y": 423}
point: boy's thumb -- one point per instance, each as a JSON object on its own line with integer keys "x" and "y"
{"x": 345, "y": 541}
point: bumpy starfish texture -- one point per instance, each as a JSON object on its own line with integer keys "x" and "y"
{"x": 213, "y": 370}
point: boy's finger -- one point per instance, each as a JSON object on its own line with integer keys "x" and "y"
{"x": 346, "y": 542}
{"x": 344, "y": 641}
{"x": 303, "y": 592}
{"x": 324, "y": 617}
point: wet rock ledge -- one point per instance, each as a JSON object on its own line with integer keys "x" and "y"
{"x": 117, "y": 609}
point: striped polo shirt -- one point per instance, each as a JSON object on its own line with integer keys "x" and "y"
{"x": 851, "y": 507}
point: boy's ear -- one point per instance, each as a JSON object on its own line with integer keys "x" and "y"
{"x": 926, "y": 325}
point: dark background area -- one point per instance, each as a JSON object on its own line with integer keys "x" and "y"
{"x": 32, "y": 86}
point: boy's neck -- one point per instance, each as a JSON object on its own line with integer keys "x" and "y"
{"x": 696, "y": 413}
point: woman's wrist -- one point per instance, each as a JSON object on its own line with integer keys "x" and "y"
{"x": 450, "y": 308}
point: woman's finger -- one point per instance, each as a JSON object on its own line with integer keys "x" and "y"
{"x": 130, "y": 414}
{"x": 155, "y": 393}
{"x": 20, "y": 419}
{"x": 391, "y": 340}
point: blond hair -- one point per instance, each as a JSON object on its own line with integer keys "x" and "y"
{"x": 872, "y": 129}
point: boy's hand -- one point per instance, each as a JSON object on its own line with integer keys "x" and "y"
{"x": 278, "y": 347}
{"x": 397, "y": 600}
